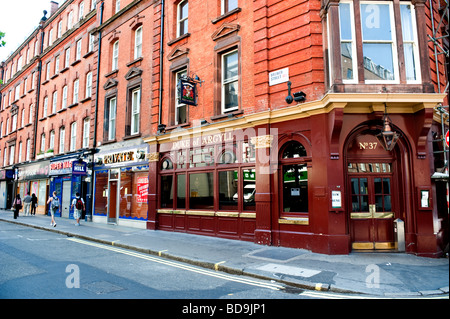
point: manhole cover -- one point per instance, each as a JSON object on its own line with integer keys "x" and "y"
{"x": 102, "y": 287}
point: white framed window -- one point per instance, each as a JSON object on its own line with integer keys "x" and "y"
{"x": 57, "y": 65}
{"x": 5, "y": 157}
{"x": 182, "y": 18}
{"x": 112, "y": 118}
{"x": 86, "y": 128}
{"x": 42, "y": 142}
{"x": 91, "y": 42}
{"x": 64, "y": 97}
{"x": 88, "y": 92}
{"x": 230, "y": 81}
{"x": 22, "y": 118}
{"x": 28, "y": 150}
{"x": 78, "y": 51}
{"x": 138, "y": 43}
{"x": 93, "y": 4}
{"x": 54, "y": 101}
{"x": 180, "y": 108}
{"x": 59, "y": 29}
{"x": 36, "y": 48}
{"x": 17, "y": 92}
{"x": 14, "y": 122}
{"x": 12, "y": 151}
{"x": 76, "y": 86}
{"x": 73, "y": 136}
{"x": 28, "y": 56}
{"x": 348, "y": 44}
{"x": 62, "y": 139}
{"x": 70, "y": 20}
{"x": 67, "y": 58}
{"x": 115, "y": 56}
{"x": 228, "y": 5}
{"x": 33, "y": 80}
{"x": 45, "y": 108}
{"x": 81, "y": 11}
{"x": 410, "y": 44}
{"x": 47, "y": 72}
{"x": 19, "y": 63}
{"x": 117, "y": 6}
{"x": 52, "y": 140}
{"x": 25, "y": 85}
{"x": 30, "y": 115}
{"x": 50, "y": 37}
{"x": 135, "y": 110}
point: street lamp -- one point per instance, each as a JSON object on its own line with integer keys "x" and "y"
{"x": 388, "y": 138}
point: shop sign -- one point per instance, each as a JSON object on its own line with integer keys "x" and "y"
{"x": 187, "y": 92}
{"x": 79, "y": 168}
{"x": 204, "y": 140}
{"x": 126, "y": 157}
{"x": 6, "y": 174}
{"x": 61, "y": 168}
{"x": 39, "y": 170}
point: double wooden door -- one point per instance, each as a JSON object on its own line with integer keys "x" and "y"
{"x": 372, "y": 211}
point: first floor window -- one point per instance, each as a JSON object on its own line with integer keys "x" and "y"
{"x": 73, "y": 136}
{"x": 110, "y": 119}
{"x": 228, "y": 5}
{"x": 180, "y": 108}
{"x": 135, "y": 110}
{"x": 28, "y": 150}
{"x": 88, "y": 85}
{"x": 183, "y": 10}
{"x": 115, "y": 56}
{"x": 52, "y": 140}
{"x": 86, "y": 128}
{"x": 230, "y": 81}
{"x": 76, "y": 85}
{"x": 62, "y": 137}
{"x": 55, "y": 101}
{"x": 64, "y": 98}
{"x": 42, "y": 143}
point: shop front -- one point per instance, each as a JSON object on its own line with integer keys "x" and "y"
{"x": 68, "y": 176}
{"x": 121, "y": 186}
{"x": 6, "y": 188}
{"x": 35, "y": 178}
{"x": 317, "y": 176}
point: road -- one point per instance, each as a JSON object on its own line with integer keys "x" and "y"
{"x": 37, "y": 264}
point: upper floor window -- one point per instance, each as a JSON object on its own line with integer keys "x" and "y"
{"x": 228, "y": 5}
{"x": 88, "y": 85}
{"x": 110, "y": 119}
{"x": 180, "y": 108}
{"x": 117, "y": 6}
{"x": 230, "y": 80}
{"x": 81, "y": 10}
{"x": 379, "y": 43}
{"x": 182, "y": 25}
{"x": 67, "y": 58}
{"x": 73, "y": 136}
{"x": 86, "y": 128}
{"x": 115, "y": 56}
{"x": 138, "y": 43}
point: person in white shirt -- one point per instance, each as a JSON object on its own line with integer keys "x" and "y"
{"x": 78, "y": 203}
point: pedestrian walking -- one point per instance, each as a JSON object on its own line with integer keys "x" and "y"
{"x": 17, "y": 205}
{"x": 78, "y": 202}
{"x": 34, "y": 201}
{"x": 27, "y": 204}
{"x": 54, "y": 207}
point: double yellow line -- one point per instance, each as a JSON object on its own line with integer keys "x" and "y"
{"x": 179, "y": 265}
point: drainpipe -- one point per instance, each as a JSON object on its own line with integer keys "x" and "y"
{"x": 94, "y": 146}
{"x": 161, "y": 59}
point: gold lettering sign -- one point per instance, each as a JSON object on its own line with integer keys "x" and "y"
{"x": 118, "y": 157}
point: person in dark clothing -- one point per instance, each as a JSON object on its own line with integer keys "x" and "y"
{"x": 33, "y": 204}
{"x": 17, "y": 205}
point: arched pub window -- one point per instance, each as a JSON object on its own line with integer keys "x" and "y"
{"x": 294, "y": 178}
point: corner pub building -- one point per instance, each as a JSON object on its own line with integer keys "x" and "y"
{"x": 337, "y": 170}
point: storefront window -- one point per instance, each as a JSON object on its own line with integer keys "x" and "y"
{"x": 201, "y": 188}
{"x": 295, "y": 188}
{"x": 228, "y": 190}
{"x": 249, "y": 189}
{"x": 101, "y": 192}
{"x": 167, "y": 191}
{"x": 181, "y": 191}
{"x": 133, "y": 194}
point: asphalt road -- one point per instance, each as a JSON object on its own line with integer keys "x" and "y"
{"x": 46, "y": 265}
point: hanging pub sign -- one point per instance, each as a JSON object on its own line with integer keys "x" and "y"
{"x": 187, "y": 91}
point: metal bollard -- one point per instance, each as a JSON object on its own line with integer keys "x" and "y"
{"x": 399, "y": 230}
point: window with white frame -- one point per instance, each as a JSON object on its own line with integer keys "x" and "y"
{"x": 115, "y": 56}
{"x": 64, "y": 97}
{"x": 111, "y": 118}
{"x": 30, "y": 115}
{"x": 47, "y": 72}
{"x": 28, "y": 150}
{"x": 62, "y": 140}
{"x": 5, "y": 157}
{"x": 230, "y": 81}
{"x": 182, "y": 18}
{"x": 45, "y": 108}
{"x": 78, "y": 52}
{"x": 73, "y": 136}
{"x": 135, "y": 110}
{"x": 76, "y": 86}
{"x": 88, "y": 92}
{"x": 138, "y": 43}
{"x": 22, "y": 118}
{"x": 14, "y": 122}
{"x": 17, "y": 92}
{"x": 91, "y": 43}
{"x": 379, "y": 43}
{"x": 50, "y": 37}
{"x": 81, "y": 11}
{"x": 67, "y": 58}
{"x": 54, "y": 101}
{"x": 57, "y": 65}
{"x": 86, "y": 128}
{"x": 52, "y": 140}
{"x": 228, "y": 5}
{"x": 59, "y": 29}
{"x": 70, "y": 20}
{"x": 42, "y": 142}
{"x": 12, "y": 151}
{"x": 117, "y": 6}
{"x": 93, "y": 4}
{"x": 33, "y": 80}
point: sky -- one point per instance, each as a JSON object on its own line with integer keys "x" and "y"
{"x": 18, "y": 19}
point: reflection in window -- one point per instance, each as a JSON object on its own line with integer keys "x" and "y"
{"x": 181, "y": 191}
{"x": 228, "y": 190}
{"x": 295, "y": 188}
{"x": 294, "y": 150}
{"x": 249, "y": 189}
{"x": 167, "y": 191}
{"x": 101, "y": 193}
{"x": 201, "y": 190}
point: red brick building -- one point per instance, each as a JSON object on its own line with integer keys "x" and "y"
{"x": 309, "y": 124}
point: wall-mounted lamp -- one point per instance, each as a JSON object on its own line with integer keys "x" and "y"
{"x": 298, "y": 96}
{"x": 388, "y": 138}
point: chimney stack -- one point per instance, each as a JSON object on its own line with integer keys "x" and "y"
{"x": 53, "y": 7}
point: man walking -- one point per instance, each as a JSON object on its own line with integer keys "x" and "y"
{"x": 78, "y": 202}
{"x": 27, "y": 204}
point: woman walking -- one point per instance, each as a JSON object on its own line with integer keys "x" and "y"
{"x": 34, "y": 201}
{"x": 54, "y": 207}
{"x": 17, "y": 205}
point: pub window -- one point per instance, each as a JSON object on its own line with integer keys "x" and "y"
{"x": 201, "y": 190}
{"x": 379, "y": 44}
{"x": 294, "y": 178}
{"x": 182, "y": 18}
{"x": 181, "y": 191}
{"x": 167, "y": 191}
{"x": 228, "y": 190}
{"x": 230, "y": 81}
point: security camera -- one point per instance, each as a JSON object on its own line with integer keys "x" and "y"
{"x": 299, "y": 96}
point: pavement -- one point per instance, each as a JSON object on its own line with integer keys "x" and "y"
{"x": 384, "y": 275}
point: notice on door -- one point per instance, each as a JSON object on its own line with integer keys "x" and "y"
{"x": 336, "y": 201}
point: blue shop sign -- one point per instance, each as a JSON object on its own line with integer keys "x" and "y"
{"x": 79, "y": 168}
